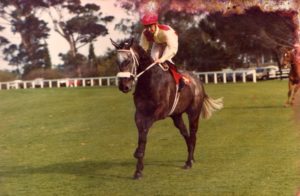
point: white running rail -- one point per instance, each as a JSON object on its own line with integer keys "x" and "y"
{"x": 206, "y": 77}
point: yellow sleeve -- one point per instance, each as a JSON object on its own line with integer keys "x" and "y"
{"x": 170, "y": 51}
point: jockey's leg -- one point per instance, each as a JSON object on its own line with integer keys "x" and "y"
{"x": 176, "y": 75}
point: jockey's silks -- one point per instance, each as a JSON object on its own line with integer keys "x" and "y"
{"x": 150, "y": 37}
{"x": 165, "y": 42}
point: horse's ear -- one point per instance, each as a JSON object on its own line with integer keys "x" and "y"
{"x": 114, "y": 43}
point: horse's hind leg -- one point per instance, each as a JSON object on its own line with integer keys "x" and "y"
{"x": 193, "y": 125}
{"x": 179, "y": 123}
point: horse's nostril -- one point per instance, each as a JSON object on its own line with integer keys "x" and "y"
{"x": 124, "y": 88}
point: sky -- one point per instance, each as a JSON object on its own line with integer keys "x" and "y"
{"x": 58, "y": 45}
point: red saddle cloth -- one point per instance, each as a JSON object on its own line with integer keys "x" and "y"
{"x": 175, "y": 73}
{"x": 177, "y": 76}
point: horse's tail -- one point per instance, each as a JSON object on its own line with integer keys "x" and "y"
{"x": 210, "y": 105}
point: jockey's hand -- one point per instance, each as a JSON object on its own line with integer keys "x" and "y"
{"x": 158, "y": 61}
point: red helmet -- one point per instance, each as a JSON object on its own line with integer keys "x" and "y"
{"x": 149, "y": 18}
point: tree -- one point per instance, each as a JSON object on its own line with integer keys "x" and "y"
{"x": 70, "y": 62}
{"x": 85, "y": 24}
{"x": 254, "y": 32}
{"x": 92, "y": 57}
{"x": 15, "y": 56}
{"x": 7, "y": 76}
{"x": 47, "y": 58}
{"x": 20, "y": 15}
{"x": 3, "y": 40}
{"x": 107, "y": 65}
{"x": 215, "y": 34}
{"x": 201, "y": 6}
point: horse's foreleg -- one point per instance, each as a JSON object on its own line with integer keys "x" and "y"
{"x": 143, "y": 128}
{"x": 288, "y": 102}
{"x": 295, "y": 88}
{"x": 179, "y": 123}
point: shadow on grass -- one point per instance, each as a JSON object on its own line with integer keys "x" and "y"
{"x": 91, "y": 169}
{"x": 83, "y": 168}
{"x": 255, "y": 107}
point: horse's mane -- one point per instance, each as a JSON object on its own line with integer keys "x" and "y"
{"x": 143, "y": 55}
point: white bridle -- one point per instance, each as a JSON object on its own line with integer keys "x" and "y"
{"x": 133, "y": 73}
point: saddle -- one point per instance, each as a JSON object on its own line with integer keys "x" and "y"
{"x": 179, "y": 79}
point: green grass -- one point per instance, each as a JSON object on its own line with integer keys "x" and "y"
{"x": 81, "y": 141}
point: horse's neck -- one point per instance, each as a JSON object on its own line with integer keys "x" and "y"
{"x": 144, "y": 61}
{"x": 150, "y": 79}
{"x": 295, "y": 66}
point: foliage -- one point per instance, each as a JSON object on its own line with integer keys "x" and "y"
{"x": 201, "y": 6}
{"x": 107, "y": 64}
{"x": 23, "y": 21}
{"x": 3, "y": 41}
{"x": 47, "y": 58}
{"x": 44, "y": 73}
{"x": 213, "y": 38}
{"x": 253, "y": 33}
{"x": 15, "y": 56}
{"x": 92, "y": 60}
{"x": 80, "y": 142}
{"x": 84, "y": 26}
{"x": 277, "y": 29}
{"x": 72, "y": 66}
{"x": 7, "y": 76}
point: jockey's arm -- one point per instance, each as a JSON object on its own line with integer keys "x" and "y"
{"x": 144, "y": 43}
{"x": 171, "y": 46}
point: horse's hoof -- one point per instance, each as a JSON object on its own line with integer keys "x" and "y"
{"x": 137, "y": 176}
{"x": 187, "y": 166}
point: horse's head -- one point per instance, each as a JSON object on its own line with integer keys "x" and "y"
{"x": 127, "y": 63}
{"x": 288, "y": 58}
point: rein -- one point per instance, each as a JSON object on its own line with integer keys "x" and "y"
{"x": 133, "y": 73}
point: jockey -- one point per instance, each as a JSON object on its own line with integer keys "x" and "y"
{"x": 164, "y": 42}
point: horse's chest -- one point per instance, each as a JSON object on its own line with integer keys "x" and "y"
{"x": 151, "y": 107}
{"x": 293, "y": 76}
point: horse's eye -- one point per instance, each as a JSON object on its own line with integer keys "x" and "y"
{"x": 126, "y": 45}
{"x": 125, "y": 63}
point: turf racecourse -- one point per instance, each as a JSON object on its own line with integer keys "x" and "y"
{"x": 80, "y": 142}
